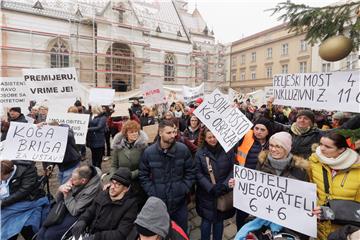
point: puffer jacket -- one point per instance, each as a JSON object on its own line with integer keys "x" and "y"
{"x": 344, "y": 185}
{"x": 96, "y": 132}
{"x": 222, "y": 164}
{"x": 301, "y": 144}
{"x": 122, "y": 156}
{"x": 168, "y": 175}
{"x": 192, "y": 135}
{"x": 24, "y": 185}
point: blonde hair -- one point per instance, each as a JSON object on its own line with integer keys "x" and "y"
{"x": 72, "y": 109}
{"x": 96, "y": 109}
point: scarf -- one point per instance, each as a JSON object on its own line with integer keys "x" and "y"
{"x": 279, "y": 164}
{"x": 128, "y": 144}
{"x": 343, "y": 161}
{"x": 299, "y": 131}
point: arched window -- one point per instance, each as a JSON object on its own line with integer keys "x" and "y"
{"x": 169, "y": 67}
{"x": 59, "y": 54}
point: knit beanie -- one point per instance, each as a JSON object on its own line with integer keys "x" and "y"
{"x": 267, "y": 123}
{"x": 338, "y": 115}
{"x": 283, "y": 139}
{"x": 123, "y": 176}
{"x": 307, "y": 113}
{"x": 154, "y": 217}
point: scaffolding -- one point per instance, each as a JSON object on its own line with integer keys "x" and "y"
{"x": 83, "y": 48}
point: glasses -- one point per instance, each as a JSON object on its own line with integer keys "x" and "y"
{"x": 278, "y": 147}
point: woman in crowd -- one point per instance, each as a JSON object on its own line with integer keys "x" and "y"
{"x": 22, "y": 201}
{"x": 146, "y": 117}
{"x": 128, "y": 146}
{"x": 178, "y": 110}
{"x": 193, "y": 130}
{"x": 206, "y": 192}
{"x": 96, "y": 135}
{"x": 335, "y": 169}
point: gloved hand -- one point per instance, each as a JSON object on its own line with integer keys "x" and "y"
{"x": 218, "y": 189}
{"x": 78, "y": 229}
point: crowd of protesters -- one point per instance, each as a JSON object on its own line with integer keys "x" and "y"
{"x": 146, "y": 193}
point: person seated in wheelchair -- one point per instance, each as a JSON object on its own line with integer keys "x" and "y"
{"x": 74, "y": 196}
{"x": 22, "y": 200}
{"x": 112, "y": 213}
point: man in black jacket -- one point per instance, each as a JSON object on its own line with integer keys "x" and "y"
{"x": 167, "y": 171}
{"x": 15, "y": 115}
{"x": 112, "y": 214}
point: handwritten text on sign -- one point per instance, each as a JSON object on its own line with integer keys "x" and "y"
{"x": 153, "y": 93}
{"x": 28, "y": 142}
{"x": 191, "y": 94}
{"x": 329, "y": 91}
{"x": 51, "y": 82}
{"x": 13, "y": 93}
{"x": 77, "y": 122}
{"x": 281, "y": 200}
{"x": 224, "y": 120}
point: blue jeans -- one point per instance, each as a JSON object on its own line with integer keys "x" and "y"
{"x": 181, "y": 217}
{"x": 217, "y": 228}
{"x": 64, "y": 176}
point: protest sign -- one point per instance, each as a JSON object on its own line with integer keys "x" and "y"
{"x": 329, "y": 90}
{"x": 151, "y": 131}
{"x": 284, "y": 201}
{"x": 26, "y": 141}
{"x": 191, "y": 94}
{"x": 256, "y": 98}
{"x": 269, "y": 92}
{"x": 2, "y": 155}
{"x": 61, "y": 106}
{"x": 224, "y": 120}
{"x": 49, "y": 83}
{"x": 153, "y": 93}
{"x": 14, "y": 93}
{"x": 77, "y": 122}
{"x": 101, "y": 96}
{"x": 234, "y": 95}
{"x": 121, "y": 109}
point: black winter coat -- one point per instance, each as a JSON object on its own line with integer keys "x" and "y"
{"x": 301, "y": 144}
{"x": 222, "y": 164}
{"x": 24, "y": 185}
{"x": 109, "y": 220}
{"x": 168, "y": 175}
{"x": 4, "y": 130}
{"x": 96, "y": 132}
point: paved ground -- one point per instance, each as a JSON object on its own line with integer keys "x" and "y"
{"x": 194, "y": 219}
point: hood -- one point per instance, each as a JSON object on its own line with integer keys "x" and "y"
{"x": 298, "y": 162}
{"x": 119, "y": 141}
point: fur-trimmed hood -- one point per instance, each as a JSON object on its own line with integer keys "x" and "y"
{"x": 119, "y": 141}
{"x": 298, "y": 162}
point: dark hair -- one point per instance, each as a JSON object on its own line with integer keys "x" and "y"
{"x": 202, "y": 136}
{"x": 338, "y": 139}
{"x": 85, "y": 172}
{"x": 166, "y": 123}
{"x": 6, "y": 167}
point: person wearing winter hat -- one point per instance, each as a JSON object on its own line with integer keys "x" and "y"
{"x": 279, "y": 161}
{"x": 153, "y": 223}
{"x": 304, "y": 134}
{"x": 112, "y": 213}
{"x": 14, "y": 115}
{"x": 337, "y": 119}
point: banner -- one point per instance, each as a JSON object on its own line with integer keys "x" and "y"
{"x": 153, "y": 93}
{"x": 284, "y": 201}
{"x": 14, "y": 93}
{"x": 191, "y": 94}
{"x": 26, "y": 141}
{"x": 101, "y": 96}
{"x": 51, "y": 82}
{"x": 78, "y": 122}
{"x": 224, "y": 120}
{"x": 330, "y": 90}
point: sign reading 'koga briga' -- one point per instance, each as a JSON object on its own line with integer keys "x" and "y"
{"x": 223, "y": 118}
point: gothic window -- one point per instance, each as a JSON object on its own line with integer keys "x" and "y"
{"x": 59, "y": 55}
{"x": 169, "y": 67}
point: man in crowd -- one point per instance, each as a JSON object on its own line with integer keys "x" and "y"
{"x": 77, "y": 194}
{"x": 167, "y": 171}
{"x": 112, "y": 213}
{"x": 14, "y": 115}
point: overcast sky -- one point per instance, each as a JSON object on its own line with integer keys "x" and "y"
{"x": 234, "y": 19}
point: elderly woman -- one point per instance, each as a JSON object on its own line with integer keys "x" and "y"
{"x": 128, "y": 145}
{"x": 212, "y": 220}
{"x": 336, "y": 166}
{"x": 278, "y": 161}
{"x": 22, "y": 201}
{"x": 96, "y": 135}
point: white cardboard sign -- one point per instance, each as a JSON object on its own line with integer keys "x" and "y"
{"x": 101, "y": 96}
{"x": 224, "y": 120}
{"x": 49, "y": 83}
{"x": 284, "y": 201}
{"x": 26, "y": 141}
{"x": 191, "y": 94}
{"x": 78, "y": 122}
{"x": 269, "y": 92}
{"x": 329, "y": 90}
{"x": 14, "y": 93}
{"x": 153, "y": 93}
